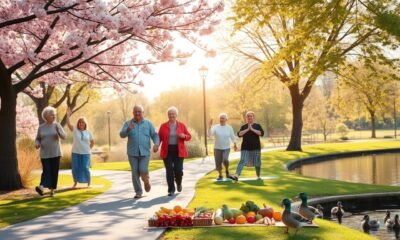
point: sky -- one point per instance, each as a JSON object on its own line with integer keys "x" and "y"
{"x": 168, "y": 76}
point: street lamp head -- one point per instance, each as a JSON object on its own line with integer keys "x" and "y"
{"x": 203, "y": 72}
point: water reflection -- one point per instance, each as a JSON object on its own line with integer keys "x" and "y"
{"x": 373, "y": 169}
{"x": 383, "y": 233}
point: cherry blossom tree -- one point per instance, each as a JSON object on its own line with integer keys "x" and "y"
{"x": 109, "y": 41}
{"x": 26, "y": 121}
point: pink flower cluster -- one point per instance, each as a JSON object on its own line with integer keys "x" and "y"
{"x": 105, "y": 40}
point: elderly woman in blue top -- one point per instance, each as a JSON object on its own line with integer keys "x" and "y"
{"x": 48, "y": 140}
{"x": 81, "y": 145}
{"x": 139, "y": 132}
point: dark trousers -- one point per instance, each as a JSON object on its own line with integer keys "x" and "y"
{"x": 174, "y": 167}
{"x": 49, "y": 176}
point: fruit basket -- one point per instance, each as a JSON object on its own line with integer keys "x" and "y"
{"x": 203, "y": 219}
{"x": 152, "y": 222}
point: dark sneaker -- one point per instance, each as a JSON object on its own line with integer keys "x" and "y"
{"x": 39, "y": 190}
{"x": 170, "y": 194}
{"x": 137, "y": 196}
{"x": 179, "y": 188}
{"x": 234, "y": 178}
{"x": 219, "y": 178}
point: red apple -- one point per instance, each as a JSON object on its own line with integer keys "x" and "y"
{"x": 251, "y": 219}
{"x": 232, "y": 220}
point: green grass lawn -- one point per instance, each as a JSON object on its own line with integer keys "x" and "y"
{"x": 271, "y": 192}
{"x": 18, "y": 210}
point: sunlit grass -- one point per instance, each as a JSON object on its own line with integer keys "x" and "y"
{"x": 17, "y": 210}
{"x": 271, "y": 192}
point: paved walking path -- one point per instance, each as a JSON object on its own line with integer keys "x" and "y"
{"x": 114, "y": 214}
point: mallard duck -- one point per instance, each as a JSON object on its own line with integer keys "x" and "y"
{"x": 389, "y": 223}
{"x": 291, "y": 219}
{"x": 306, "y": 211}
{"x": 368, "y": 224}
{"x": 338, "y": 212}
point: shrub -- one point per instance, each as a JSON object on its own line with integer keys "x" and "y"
{"x": 28, "y": 160}
{"x": 344, "y": 138}
{"x": 342, "y": 129}
{"x": 195, "y": 147}
{"x": 66, "y": 161}
{"x": 388, "y": 136}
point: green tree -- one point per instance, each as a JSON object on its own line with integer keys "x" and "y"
{"x": 368, "y": 85}
{"x": 298, "y": 41}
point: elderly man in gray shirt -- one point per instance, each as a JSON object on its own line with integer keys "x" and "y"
{"x": 139, "y": 132}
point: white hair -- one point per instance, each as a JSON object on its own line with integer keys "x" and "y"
{"x": 250, "y": 112}
{"x": 172, "y": 108}
{"x": 138, "y": 106}
{"x": 48, "y": 110}
{"x": 223, "y": 115}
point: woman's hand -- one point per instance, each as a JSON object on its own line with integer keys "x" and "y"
{"x": 182, "y": 135}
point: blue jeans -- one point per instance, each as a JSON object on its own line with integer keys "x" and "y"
{"x": 174, "y": 167}
{"x": 139, "y": 168}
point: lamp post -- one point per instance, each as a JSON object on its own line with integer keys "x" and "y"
{"x": 109, "y": 131}
{"x": 394, "y": 114}
{"x": 203, "y": 74}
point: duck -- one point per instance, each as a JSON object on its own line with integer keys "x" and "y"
{"x": 306, "y": 211}
{"x": 338, "y": 211}
{"x": 389, "y": 223}
{"x": 291, "y": 219}
{"x": 368, "y": 224}
{"x": 396, "y": 224}
{"x": 320, "y": 210}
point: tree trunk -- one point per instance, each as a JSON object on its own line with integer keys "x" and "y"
{"x": 9, "y": 175}
{"x": 297, "y": 121}
{"x": 373, "y": 124}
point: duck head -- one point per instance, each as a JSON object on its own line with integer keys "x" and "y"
{"x": 303, "y": 197}
{"x": 287, "y": 204}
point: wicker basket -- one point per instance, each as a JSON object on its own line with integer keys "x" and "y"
{"x": 152, "y": 222}
{"x": 202, "y": 221}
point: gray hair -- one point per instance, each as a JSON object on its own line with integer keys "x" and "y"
{"x": 48, "y": 110}
{"x": 223, "y": 115}
{"x": 250, "y": 112}
{"x": 172, "y": 108}
{"x": 138, "y": 106}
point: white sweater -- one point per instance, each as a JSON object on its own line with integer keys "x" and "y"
{"x": 222, "y": 136}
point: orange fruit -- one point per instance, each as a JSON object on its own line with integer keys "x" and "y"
{"x": 177, "y": 208}
{"x": 241, "y": 219}
{"x": 250, "y": 214}
{"x": 277, "y": 216}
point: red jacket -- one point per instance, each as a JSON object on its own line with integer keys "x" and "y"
{"x": 164, "y": 138}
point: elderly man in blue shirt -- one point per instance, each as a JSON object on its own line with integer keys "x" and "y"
{"x": 139, "y": 132}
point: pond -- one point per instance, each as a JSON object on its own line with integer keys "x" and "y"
{"x": 383, "y": 169}
{"x": 382, "y": 233}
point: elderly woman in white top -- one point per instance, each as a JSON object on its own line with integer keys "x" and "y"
{"x": 48, "y": 140}
{"x": 223, "y": 133}
{"x": 81, "y": 146}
